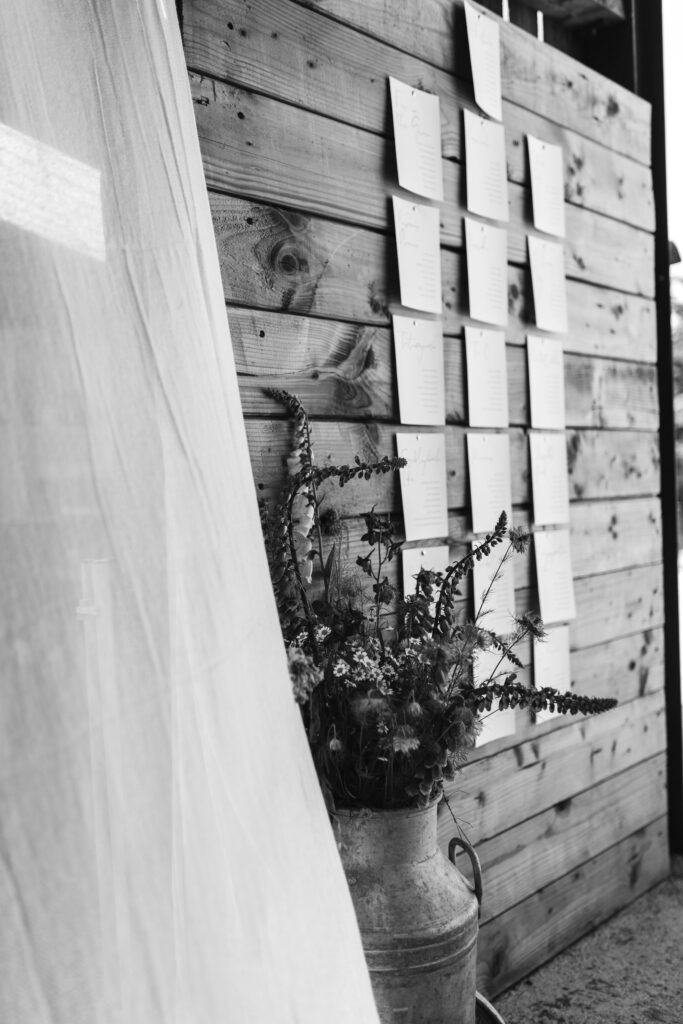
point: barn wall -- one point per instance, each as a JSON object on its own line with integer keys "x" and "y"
{"x": 292, "y": 107}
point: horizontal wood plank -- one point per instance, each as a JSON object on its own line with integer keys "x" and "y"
{"x": 532, "y": 854}
{"x": 258, "y": 147}
{"x": 624, "y": 668}
{"x": 285, "y": 51}
{"x": 500, "y": 790}
{"x": 344, "y": 371}
{"x": 519, "y": 941}
{"x": 610, "y": 535}
{"x": 282, "y": 260}
{"x": 615, "y": 604}
{"x": 568, "y": 815}
{"x": 534, "y": 76}
{"x": 601, "y": 464}
{"x": 595, "y": 551}
{"x": 594, "y": 457}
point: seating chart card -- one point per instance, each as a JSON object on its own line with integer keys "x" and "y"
{"x": 495, "y": 724}
{"x": 549, "y": 478}
{"x": 487, "y": 272}
{"x": 552, "y": 665}
{"x": 554, "y": 575}
{"x": 545, "y": 358}
{"x": 488, "y": 459}
{"x": 498, "y": 595}
{"x": 486, "y": 167}
{"x": 417, "y": 135}
{"x": 423, "y": 485}
{"x": 418, "y": 345}
{"x": 487, "y": 390}
{"x": 547, "y": 186}
{"x": 419, "y": 254}
{"x": 546, "y": 260}
{"x": 483, "y": 37}
{"x": 436, "y": 559}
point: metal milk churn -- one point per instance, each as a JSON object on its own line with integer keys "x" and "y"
{"x": 417, "y": 914}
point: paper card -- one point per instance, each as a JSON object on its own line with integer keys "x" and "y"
{"x": 547, "y": 279}
{"x": 486, "y": 167}
{"x": 547, "y": 186}
{"x": 549, "y": 478}
{"x": 495, "y": 724}
{"x": 420, "y": 370}
{"x": 494, "y": 594}
{"x": 419, "y": 254}
{"x": 417, "y": 135}
{"x": 554, "y": 575}
{"x": 545, "y": 357}
{"x": 436, "y": 559}
{"x": 487, "y": 389}
{"x": 483, "y": 37}
{"x": 487, "y": 272}
{"x": 552, "y": 665}
{"x": 423, "y": 485}
{"x": 488, "y": 459}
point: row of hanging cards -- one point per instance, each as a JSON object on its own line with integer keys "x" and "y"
{"x": 486, "y": 178}
{"x": 418, "y": 342}
{"x": 486, "y": 244}
{"x": 417, "y": 140}
{"x": 545, "y": 357}
{"x": 488, "y": 454}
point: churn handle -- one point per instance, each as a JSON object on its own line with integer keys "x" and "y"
{"x": 474, "y": 860}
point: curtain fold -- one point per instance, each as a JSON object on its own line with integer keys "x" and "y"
{"x": 165, "y": 854}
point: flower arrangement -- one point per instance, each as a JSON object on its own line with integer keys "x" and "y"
{"x": 385, "y": 682}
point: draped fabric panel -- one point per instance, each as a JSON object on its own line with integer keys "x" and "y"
{"x": 165, "y": 854}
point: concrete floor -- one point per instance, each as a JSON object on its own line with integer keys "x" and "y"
{"x": 629, "y": 971}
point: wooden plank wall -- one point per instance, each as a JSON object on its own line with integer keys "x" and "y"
{"x": 293, "y": 115}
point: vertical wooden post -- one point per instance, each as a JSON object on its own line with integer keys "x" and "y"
{"x": 649, "y": 82}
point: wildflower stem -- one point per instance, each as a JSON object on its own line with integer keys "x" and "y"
{"x": 492, "y": 582}
{"x": 310, "y": 621}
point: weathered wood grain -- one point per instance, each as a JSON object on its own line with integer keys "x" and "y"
{"x": 534, "y": 76}
{"x": 336, "y": 369}
{"x": 279, "y": 259}
{"x": 615, "y": 604}
{"x": 601, "y": 464}
{"x": 517, "y": 942}
{"x": 345, "y": 371}
{"x": 594, "y": 551}
{"x": 255, "y": 146}
{"x": 609, "y": 394}
{"x": 504, "y": 788}
{"x": 604, "y": 661}
{"x": 608, "y": 535}
{"x": 311, "y": 281}
{"x": 338, "y": 443}
{"x": 593, "y": 456}
{"x": 625, "y": 668}
{"x": 537, "y": 851}
{"x": 280, "y": 49}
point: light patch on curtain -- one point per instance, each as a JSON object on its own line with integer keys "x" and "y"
{"x": 50, "y": 194}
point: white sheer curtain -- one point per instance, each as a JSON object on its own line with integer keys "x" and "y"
{"x": 164, "y": 850}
